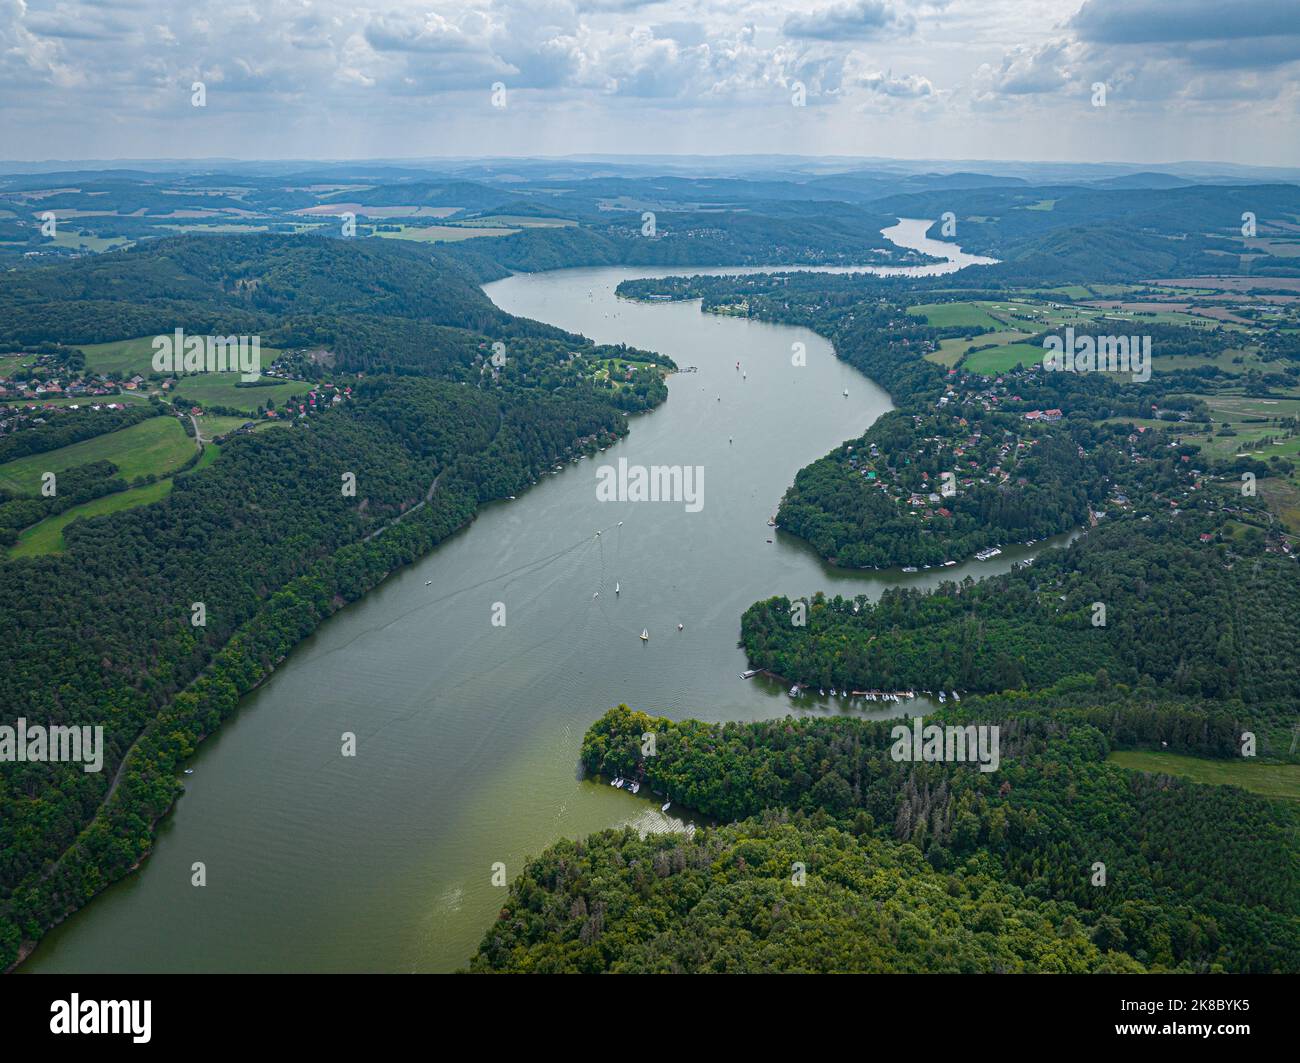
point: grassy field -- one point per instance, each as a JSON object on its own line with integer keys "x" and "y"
{"x": 950, "y": 351}
{"x": 1252, "y": 419}
{"x": 126, "y": 357}
{"x": 126, "y": 397}
{"x": 158, "y": 445}
{"x": 86, "y": 242}
{"x": 1276, "y": 780}
{"x": 212, "y": 425}
{"x": 972, "y": 314}
{"x": 47, "y": 536}
{"x": 121, "y": 357}
{"x": 218, "y": 389}
{"x": 10, "y": 362}
{"x": 1000, "y": 359}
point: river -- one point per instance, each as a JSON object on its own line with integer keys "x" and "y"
{"x": 468, "y": 733}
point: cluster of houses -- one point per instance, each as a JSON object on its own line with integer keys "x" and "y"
{"x": 28, "y": 415}
{"x": 971, "y": 455}
{"x": 53, "y": 387}
{"x": 317, "y": 399}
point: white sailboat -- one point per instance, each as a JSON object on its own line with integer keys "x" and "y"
{"x": 645, "y": 634}
{"x": 616, "y": 588}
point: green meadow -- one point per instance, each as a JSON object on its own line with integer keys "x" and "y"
{"x": 1271, "y": 779}
{"x": 127, "y": 357}
{"x": 158, "y": 446}
{"x": 965, "y": 314}
{"x": 220, "y": 389}
{"x": 46, "y": 537}
{"x": 1000, "y": 359}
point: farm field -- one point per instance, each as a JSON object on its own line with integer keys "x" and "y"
{"x": 158, "y": 446}
{"x": 86, "y": 242}
{"x": 1280, "y": 781}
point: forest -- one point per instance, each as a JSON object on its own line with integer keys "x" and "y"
{"x": 829, "y": 855}
{"x": 266, "y": 537}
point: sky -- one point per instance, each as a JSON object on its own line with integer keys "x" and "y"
{"x": 1213, "y": 80}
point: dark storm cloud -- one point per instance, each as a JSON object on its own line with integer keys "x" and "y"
{"x": 1174, "y": 21}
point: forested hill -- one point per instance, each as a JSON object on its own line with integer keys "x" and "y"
{"x": 1056, "y": 234}
{"x": 267, "y": 540}
{"x": 1132, "y": 605}
{"x": 246, "y": 284}
{"x": 759, "y": 234}
{"x": 843, "y": 858}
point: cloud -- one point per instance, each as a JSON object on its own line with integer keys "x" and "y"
{"x": 908, "y": 87}
{"x": 852, "y": 20}
{"x": 1027, "y": 71}
{"x": 1149, "y": 51}
{"x": 1128, "y": 22}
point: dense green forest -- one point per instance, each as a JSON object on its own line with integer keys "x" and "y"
{"x": 266, "y": 537}
{"x": 1192, "y": 618}
{"x": 918, "y": 866}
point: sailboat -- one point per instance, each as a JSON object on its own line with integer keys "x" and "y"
{"x": 616, "y": 588}
{"x": 645, "y": 634}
